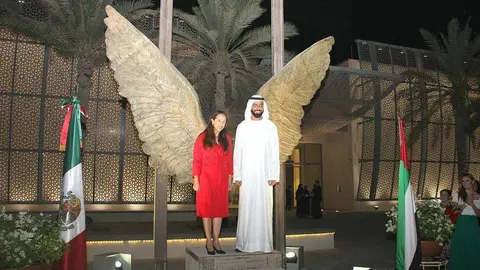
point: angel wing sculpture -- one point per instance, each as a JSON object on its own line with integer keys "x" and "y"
{"x": 166, "y": 107}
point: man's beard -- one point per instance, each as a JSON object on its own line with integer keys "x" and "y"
{"x": 256, "y": 115}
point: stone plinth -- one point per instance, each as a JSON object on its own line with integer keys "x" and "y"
{"x": 197, "y": 259}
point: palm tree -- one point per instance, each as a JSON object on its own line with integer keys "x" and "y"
{"x": 74, "y": 28}
{"x": 232, "y": 59}
{"x": 455, "y": 54}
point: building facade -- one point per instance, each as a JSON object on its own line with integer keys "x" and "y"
{"x": 349, "y": 142}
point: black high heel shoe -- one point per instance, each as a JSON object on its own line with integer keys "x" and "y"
{"x": 210, "y": 252}
{"x": 219, "y": 251}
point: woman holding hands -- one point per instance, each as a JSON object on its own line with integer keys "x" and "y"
{"x": 212, "y": 178}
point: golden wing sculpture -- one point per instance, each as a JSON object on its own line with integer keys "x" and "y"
{"x": 165, "y": 105}
{"x": 294, "y": 87}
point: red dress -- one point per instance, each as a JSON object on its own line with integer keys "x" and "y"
{"x": 452, "y": 214}
{"x": 213, "y": 166}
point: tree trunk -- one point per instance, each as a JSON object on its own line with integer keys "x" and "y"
{"x": 85, "y": 68}
{"x": 228, "y": 91}
{"x": 220, "y": 91}
{"x": 461, "y": 139}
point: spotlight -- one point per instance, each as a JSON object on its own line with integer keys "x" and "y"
{"x": 294, "y": 258}
{"x": 376, "y": 207}
{"x": 112, "y": 261}
{"x": 291, "y": 257}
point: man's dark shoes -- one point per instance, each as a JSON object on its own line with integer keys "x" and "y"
{"x": 238, "y": 250}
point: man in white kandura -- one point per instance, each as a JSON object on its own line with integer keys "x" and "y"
{"x": 256, "y": 168}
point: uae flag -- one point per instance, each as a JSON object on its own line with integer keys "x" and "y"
{"x": 72, "y": 207}
{"x": 409, "y": 255}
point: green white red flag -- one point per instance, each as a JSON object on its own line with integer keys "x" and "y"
{"x": 72, "y": 207}
{"x": 408, "y": 250}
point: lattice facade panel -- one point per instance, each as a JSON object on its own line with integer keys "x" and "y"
{"x": 88, "y": 169}
{"x": 25, "y": 122}
{"x": 7, "y": 51}
{"x": 384, "y": 185}
{"x": 52, "y": 176}
{"x": 108, "y": 86}
{"x": 29, "y": 68}
{"x": 90, "y": 135}
{"x": 388, "y": 140}
{"x": 7, "y": 34}
{"x": 395, "y": 182}
{"x": 150, "y": 193}
{"x": 474, "y": 148}
{"x": 447, "y": 177}
{"x": 3, "y": 176}
{"x": 134, "y": 178}
{"x": 474, "y": 169}
{"x": 366, "y": 170}
{"x": 431, "y": 180}
{"x": 5, "y": 103}
{"x": 132, "y": 141}
{"x": 59, "y": 75}
{"x": 23, "y": 176}
{"x": 182, "y": 193}
{"x": 388, "y": 104}
{"x": 32, "y": 73}
{"x": 368, "y": 139}
{"x": 434, "y": 151}
{"x": 53, "y": 121}
{"x": 108, "y": 127}
{"x": 448, "y": 143}
{"x": 455, "y": 182}
{"x": 415, "y": 176}
{"x": 106, "y": 178}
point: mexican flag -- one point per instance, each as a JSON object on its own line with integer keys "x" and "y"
{"x": 409, "y": 255}
{"x": 72, "y": 207}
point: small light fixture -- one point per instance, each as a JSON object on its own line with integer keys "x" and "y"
{"x": 118, "y": 265}
{"x": 376, "y": 207}
{"x": 336, "y": 211}
{"x": 291, "y": 257}
{"x": 294, "y": 257}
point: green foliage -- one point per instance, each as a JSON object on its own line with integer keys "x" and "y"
{"x": 454, "y": 86}
{"x": 72, "y": 27}
{"x": 28, "y": 239}
{"x": 433, "y": 223}
{"x": 226, "y": 45}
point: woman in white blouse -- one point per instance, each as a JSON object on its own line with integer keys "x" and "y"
{"x": 465, "y": 245}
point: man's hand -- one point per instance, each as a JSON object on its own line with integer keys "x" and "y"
{"x": 272, "y": 182}
{"x": 239, "y": 183}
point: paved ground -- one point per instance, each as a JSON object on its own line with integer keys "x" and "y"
{"x": 360, "y": 240}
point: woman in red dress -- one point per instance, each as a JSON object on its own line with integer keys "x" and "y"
{"x": 212, "y": 178}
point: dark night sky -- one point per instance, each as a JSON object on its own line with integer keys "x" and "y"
{"x": 393, "y": 22}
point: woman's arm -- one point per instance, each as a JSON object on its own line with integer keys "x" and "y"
{"x": 197, "y": 162}
{"x": 473, "y": 205}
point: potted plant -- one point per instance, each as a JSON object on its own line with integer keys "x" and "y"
{"x": 435, "y": 227}
{"x": 29, "y": 241}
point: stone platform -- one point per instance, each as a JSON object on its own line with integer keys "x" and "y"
{"x": 310, "y": 239}
{"x": 196, "y": 258}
